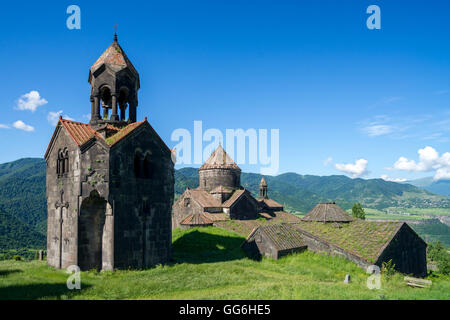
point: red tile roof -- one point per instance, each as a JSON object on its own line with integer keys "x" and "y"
{"x": 81, "y": 133}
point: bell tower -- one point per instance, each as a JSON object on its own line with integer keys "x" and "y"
{"x": 263, "y": 189}
{"x": 114, "y": 88}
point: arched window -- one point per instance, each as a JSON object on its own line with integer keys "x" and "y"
{"x": 137, "y": 165}
{"x": 66, "y": 161}
{"x": 148, "y": 167}
{"x": 62, "y": 163}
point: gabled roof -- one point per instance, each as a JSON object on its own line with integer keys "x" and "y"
{"x": 327, "y": 212}
{"x": 270, "y": 203}
{"x": 204, "y": 199}
{"x": 234, "y": 197}
{"x": 216, "y": 216}
{"x": 283, "y": 236}
{"x": 81, "y": 133}
{"x": 219, "y": 159}
{"x": 196, "y": 219}
{"x": 115, "y": 58}
{"x": 365, "y": 239}
{"x": 122, "y": 133}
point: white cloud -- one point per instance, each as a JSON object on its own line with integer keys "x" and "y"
{"x": 357, "y": 169}
{"x": 19, "y": 124}
{"x": 442, "y": 174}
{"x": 386, "y": 178}
{"x": 30, "y": 101}
{"x": 53, "y": 117}
{"x": 4, "y": 126}
{"x": 328, "y": 161}
{"x": 429, "y": 160}
{"x": 378, "y": 130}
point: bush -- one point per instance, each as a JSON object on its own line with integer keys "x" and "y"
{"x": 358, "y": 211}
{"x": 436, "y": 252}
{"x": 388, "y": 268}
{"x": 17, "y": 258}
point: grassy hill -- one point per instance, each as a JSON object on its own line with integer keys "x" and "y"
{"x": 209, "y": 264}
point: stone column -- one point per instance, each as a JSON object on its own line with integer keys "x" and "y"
{"x": 132, "y": 111}
{"x": 108, "y": 240}
{"x": 92, "y": 107}
{"x": 96, "y": 108}
{"x": 114, "y": 115}
{"x": 123, "y": 107}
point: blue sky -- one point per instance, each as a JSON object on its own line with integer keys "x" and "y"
{"x": 337, "y": 91}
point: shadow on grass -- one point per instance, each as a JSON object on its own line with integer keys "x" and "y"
{"x": 201, "y": 247}
{"x": 8, "y": 272}
{"x": 37, "y": 291}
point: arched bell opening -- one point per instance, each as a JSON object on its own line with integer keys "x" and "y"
{"x": 123, "y": 104}
{"x": 106, "y": 102}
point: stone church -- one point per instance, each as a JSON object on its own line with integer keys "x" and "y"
{"x": 220, "y": 196}
{"x": 110, "y": 182}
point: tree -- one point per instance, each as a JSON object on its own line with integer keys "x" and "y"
{"x": 358, "y": 211}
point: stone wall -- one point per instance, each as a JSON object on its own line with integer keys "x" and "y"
{"x": 142, "y": 206}
{"x": 62, "y": 204}
{"x": 245, "y": 208}
{"x": 181, "y": 211}
{"x": 209, "y": 179}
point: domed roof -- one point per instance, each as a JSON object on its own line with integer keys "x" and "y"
{"x": 219, "y": 159}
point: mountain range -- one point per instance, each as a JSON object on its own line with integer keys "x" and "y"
{"x": 23, "y": 202}
{"x": 441, "y": 187}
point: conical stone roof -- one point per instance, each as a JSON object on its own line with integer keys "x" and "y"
{"x": 219, "y": 159}
{"x": 327, "y": 212}
{"x": 115, "y": 58}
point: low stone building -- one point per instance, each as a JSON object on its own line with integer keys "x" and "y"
{"x": 220, "y": 196}
{"x": 328, "y": 228}
{"x": 274, "y": 241}
{"x": 110, "y": 182}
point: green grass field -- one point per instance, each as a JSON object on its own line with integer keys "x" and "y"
{"x": 209, "y": 264}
